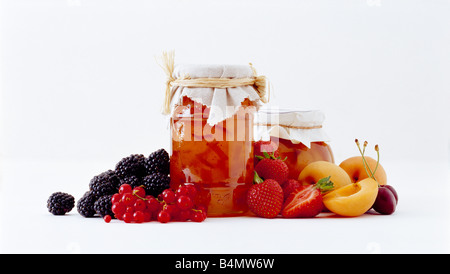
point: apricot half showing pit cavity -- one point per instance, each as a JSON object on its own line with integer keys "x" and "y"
{"x": 315, "y": 171}
{"x": 354, "y": 166}
{"x": 352, "y": 200}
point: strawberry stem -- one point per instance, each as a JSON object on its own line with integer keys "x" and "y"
{"x": 324, "y": 184}
{"x": 257, "y": 179}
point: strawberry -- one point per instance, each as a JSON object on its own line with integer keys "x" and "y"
{"x": 273, "y": 168}
{"x": 290, "y": 186}
{"x": 265, "y": 146}
{"x": 265, "y": 198}
{"x": 307, "y": 201}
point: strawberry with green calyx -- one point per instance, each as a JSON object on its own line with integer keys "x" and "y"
{"x": 265, "y": 146}
{"x": 265, "y": 197}
{"x": 271, "y": 167}
{"x": 307, "y": 201}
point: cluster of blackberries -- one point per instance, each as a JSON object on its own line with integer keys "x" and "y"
{"x": 152, "y": 173}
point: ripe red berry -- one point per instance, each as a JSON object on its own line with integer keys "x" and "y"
{"x": 107, "y": 218}
{"x": 138, "y": 216}
{"x": 139, "y": 192}
{"x": 184, "y": 202}
{"x": 140, "y": 205}
{"x": 197, "y": 216}
{"x": 168, "y": 196}
{"x": 116, "y": 198}
{"x": 163, "y": 217}
{"x": 128, "y": 199}
{"x": 128, "y": 217}
{"x": 125, "y": 188}
{"x": 118, "y": 208}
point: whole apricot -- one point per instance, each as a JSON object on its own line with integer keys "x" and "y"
{"x": 352, "y": 200}
{"x": 354, "y": 167}
{"x": 315, "y": 171}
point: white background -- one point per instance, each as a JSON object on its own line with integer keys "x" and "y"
{"x": 80, "y": 89}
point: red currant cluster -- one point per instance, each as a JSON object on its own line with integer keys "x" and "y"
{"x": 133, "y": 205}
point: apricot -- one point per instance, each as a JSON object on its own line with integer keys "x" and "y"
{"x": 354, "y": 167}
{"x": 315, "y": 171}
{"x": 352, "y": 200}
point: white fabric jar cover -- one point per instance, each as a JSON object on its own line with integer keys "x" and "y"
{"x": 298, "y": 126}
{"x": 222, "y": 88}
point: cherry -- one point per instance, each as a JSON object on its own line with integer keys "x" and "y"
{"x": 385, "y": 202}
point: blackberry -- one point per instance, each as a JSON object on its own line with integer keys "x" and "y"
{"x": 134, "y": 181}
{"x": 103, "y": 206}
{"x": 155, "y": 183}
{"x": 85, "y": 205}
{"x": 104, "y": 184}
{"x": 131, "y": 165}
{"x": 158, "y": 161}
{"x": 59, "y": 203}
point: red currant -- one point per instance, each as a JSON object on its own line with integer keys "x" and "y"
{"x": 107, "y": 218}
{"x": 168, "y": 196}
{"x": 118, "y": 208}
{"x": 140, "y": 205}
{"x": 116, "y": 198}
{"x": 197, "y": 216}
{"x": 128, "y": 217}
{"x": 163, "y": 217}
{"x": 191, "y": 191}
{"x": 138, "y": 216}
{"x": 128, "y": 199}
{"x": 153, "y": 204}
{"x": 125, "y": 188}
{"x": 139, "y": 192}
{"x": 184, "y": 202}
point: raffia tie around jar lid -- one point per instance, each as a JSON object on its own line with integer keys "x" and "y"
{"x": 298, "y": 126}
{"x": 222, "y": 88}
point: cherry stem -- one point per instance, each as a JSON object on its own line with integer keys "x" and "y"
{"x": 371, "y": 174}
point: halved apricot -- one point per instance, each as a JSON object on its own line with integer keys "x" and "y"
{"x": 352, "y": 200}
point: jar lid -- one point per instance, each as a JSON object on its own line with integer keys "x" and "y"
{"x": 298, "y": 126}
{"x": 222, "y": 88}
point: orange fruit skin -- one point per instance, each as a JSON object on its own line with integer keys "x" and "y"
{"x": 354, "y": 166}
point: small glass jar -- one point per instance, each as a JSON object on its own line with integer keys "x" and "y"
{"x": 214, "y": 154}
{"x": 298, "y": 135}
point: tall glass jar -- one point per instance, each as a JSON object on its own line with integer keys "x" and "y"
{"x": 297, "y": 134}
{"x": 212, "y": 139}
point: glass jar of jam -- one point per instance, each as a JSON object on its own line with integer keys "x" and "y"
{"x": 212, "y": 139}
{"x": 298, "y": 135}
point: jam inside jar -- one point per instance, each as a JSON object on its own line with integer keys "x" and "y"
{"x": 298, "y": 156}
{"x": 298, "y": 135}
{"x": 217, "y": 160}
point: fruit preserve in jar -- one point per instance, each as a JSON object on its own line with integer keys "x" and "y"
{"x": 297, "y": 134}
{"x": 212, "y": 135}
